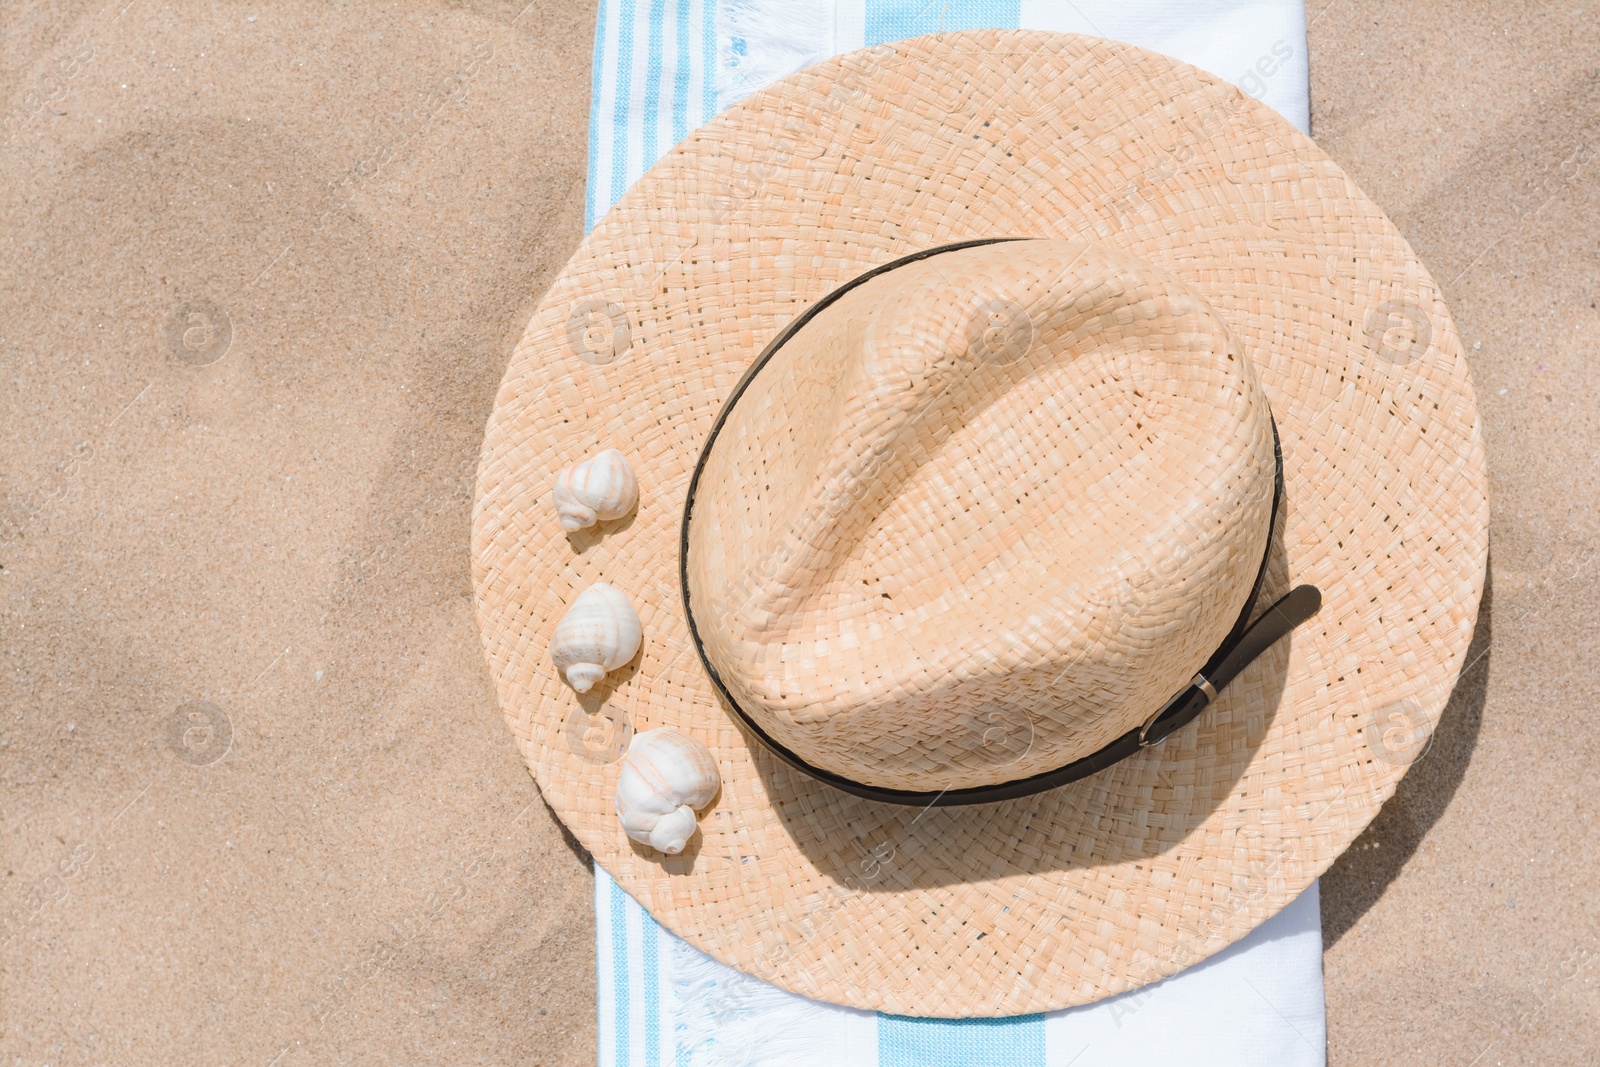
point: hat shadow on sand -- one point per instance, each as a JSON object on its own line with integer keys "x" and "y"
{"x": 1362, "y": 872}
{"x": 858, "y": 841}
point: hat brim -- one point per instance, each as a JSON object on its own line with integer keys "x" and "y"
{"x": 1127, "y": 876}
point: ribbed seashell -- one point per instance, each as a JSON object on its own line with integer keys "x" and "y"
{"x": 667, "y": 776}
{"x": 600, "y": 632}
{"x": 601, "y": 488}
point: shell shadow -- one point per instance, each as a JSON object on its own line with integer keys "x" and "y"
{"x": 857, "y": 840}
{"x": 586, "y": 538}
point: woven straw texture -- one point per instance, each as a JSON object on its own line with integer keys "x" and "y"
{"x": 982, "y": 515}
{"x": 1152, "y": 865}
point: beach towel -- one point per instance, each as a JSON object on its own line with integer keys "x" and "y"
{"x": 664, "y": 67}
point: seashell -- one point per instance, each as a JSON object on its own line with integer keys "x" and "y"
{"x": 599, "y": 633}
{"x": 600, "y": 488}
{"x": 666, "y": 777}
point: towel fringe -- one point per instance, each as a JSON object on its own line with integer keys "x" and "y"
{"x": 729, "y": 1019}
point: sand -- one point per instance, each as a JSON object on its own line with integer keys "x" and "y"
{"x": 262, "y": 271}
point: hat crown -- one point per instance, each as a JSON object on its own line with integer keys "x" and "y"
{"x": 980, "y": 515}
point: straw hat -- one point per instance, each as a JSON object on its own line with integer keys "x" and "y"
{"x": 984, "y": 446}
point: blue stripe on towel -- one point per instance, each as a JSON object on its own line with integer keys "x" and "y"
{"x": 891, "y": 20}
{"x": 680, "y": 77}
{"x": 624, "y": 100}
{"x": 599, "y": 61}
{"x": 652, "y": 994}
{"x": 708, "y": 57}
{"x": 619, "y": 969}
{"x": 904, "y": 1041}
{"x": 652, "y": 77}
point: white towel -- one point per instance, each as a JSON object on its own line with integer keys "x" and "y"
{"x": 664, "y": 1003}
{"x": 663, "y": 67}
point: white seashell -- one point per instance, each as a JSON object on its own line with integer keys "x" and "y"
{"x": 666, "y": 777}
{"x": 600, "y": 488}
{"x": 600, "y": 632}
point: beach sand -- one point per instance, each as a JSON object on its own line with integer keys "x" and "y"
{"x": 263, "y": 270}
